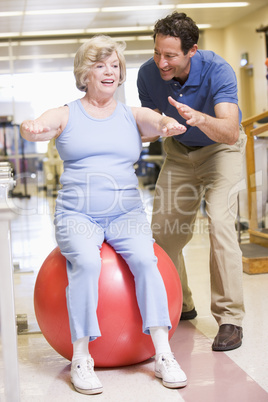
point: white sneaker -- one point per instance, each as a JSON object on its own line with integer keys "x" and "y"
{"x": 84, "y": 378}
{"x": 167, "y": 368}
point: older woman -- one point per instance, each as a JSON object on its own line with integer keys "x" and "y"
{"x": 99, "y": 140}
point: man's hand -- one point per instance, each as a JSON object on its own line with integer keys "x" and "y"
{"x": 192, "y": 117}
{"x": 223, "y": 128}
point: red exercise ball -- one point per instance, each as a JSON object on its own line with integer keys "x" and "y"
{"x": 122, "y": 342}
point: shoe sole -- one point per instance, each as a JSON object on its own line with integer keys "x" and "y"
{"x": 187, "y": 317}
{"x": 179, "y": 384}
{"x": 88, "y": 391}
{"x": 226, "y": 348}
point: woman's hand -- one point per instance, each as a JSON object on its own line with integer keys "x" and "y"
{"x": 152, "y": 124}
{"x": 34, "y": 127}
{"x": 172, "y": 127}
{"x": 46, "y": 127}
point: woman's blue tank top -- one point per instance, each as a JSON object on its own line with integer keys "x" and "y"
{"x": 99, "y": 177}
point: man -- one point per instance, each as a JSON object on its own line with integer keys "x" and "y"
{"x": 204, "y": 161}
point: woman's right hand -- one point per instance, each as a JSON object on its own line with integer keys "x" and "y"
{"x": 34, "y": 127}
{"x": 46, "y": 127}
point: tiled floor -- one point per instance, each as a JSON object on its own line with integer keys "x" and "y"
{"x": 236, "y": 376}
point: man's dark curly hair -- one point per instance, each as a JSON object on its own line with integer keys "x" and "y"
{"x": 179, "y": 26}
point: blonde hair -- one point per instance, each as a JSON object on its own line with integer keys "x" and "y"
{"x": 94, "y": 50}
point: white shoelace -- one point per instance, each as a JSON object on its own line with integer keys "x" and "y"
{"x": 85, "y": 369}
{"x": 170, "y": 362}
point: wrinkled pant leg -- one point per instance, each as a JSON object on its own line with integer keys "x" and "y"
{"x": 134, "y": 243}
{"x": 226, "y": 269}
{"x": 177, "y": 200}
{"x": 80, "y": 240}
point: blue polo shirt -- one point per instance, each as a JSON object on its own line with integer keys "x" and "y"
{"x": 211, "y": 80}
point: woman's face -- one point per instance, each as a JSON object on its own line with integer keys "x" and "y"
{"x": 104, "y": 76}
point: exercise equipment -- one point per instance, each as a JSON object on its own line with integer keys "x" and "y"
{"x": 122, "y": 342}
{"x": 8, "y": 332}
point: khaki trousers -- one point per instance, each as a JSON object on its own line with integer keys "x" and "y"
{"x": 187, "y": 174}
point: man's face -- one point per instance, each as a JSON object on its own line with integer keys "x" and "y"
{"x": 170, "y": 59}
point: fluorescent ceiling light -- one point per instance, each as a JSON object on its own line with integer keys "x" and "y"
{"x": 64, "y": 11}
{"x": 213, "y": 5}
{"x": 39, "y": 57}
{"x": 9, "y": 34}
{"x": 54, "y": 42}
{"x": 123, "y": 9}
{"x": 50, "y": 12}
{"x": 76, "y": 32}
{"x": 66, "y": 55}
{"x": 93, "y": 31}
{"x": 170, "y": 6}
{"x": 11, "y": 13}
{"x": 63, "y": 32}
{"x": 137, "y": 8}
{"x": 119, "y": 29}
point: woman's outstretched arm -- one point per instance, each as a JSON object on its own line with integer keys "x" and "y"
{"x": 46, "y": 127}
{"x": 153, "y": 125}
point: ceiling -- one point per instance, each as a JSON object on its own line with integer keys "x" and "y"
{"x": 44, "y": 36}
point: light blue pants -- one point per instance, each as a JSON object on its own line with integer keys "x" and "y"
{"x": 80, "y": 238}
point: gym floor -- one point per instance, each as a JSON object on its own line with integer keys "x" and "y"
{"x": 236, "y": 376}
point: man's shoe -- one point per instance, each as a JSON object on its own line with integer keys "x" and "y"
{"x": 188, "y": 315}
{"x": 83, "y": 377}
{"x": 229, "y": 337}
{"x": 168, "y": 369}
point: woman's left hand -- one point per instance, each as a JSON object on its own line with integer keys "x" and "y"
{"x": 172, "y": 127}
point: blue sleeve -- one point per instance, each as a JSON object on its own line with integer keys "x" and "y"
{"x": 224, "y": 84}
{"x": 146, "y": 100}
